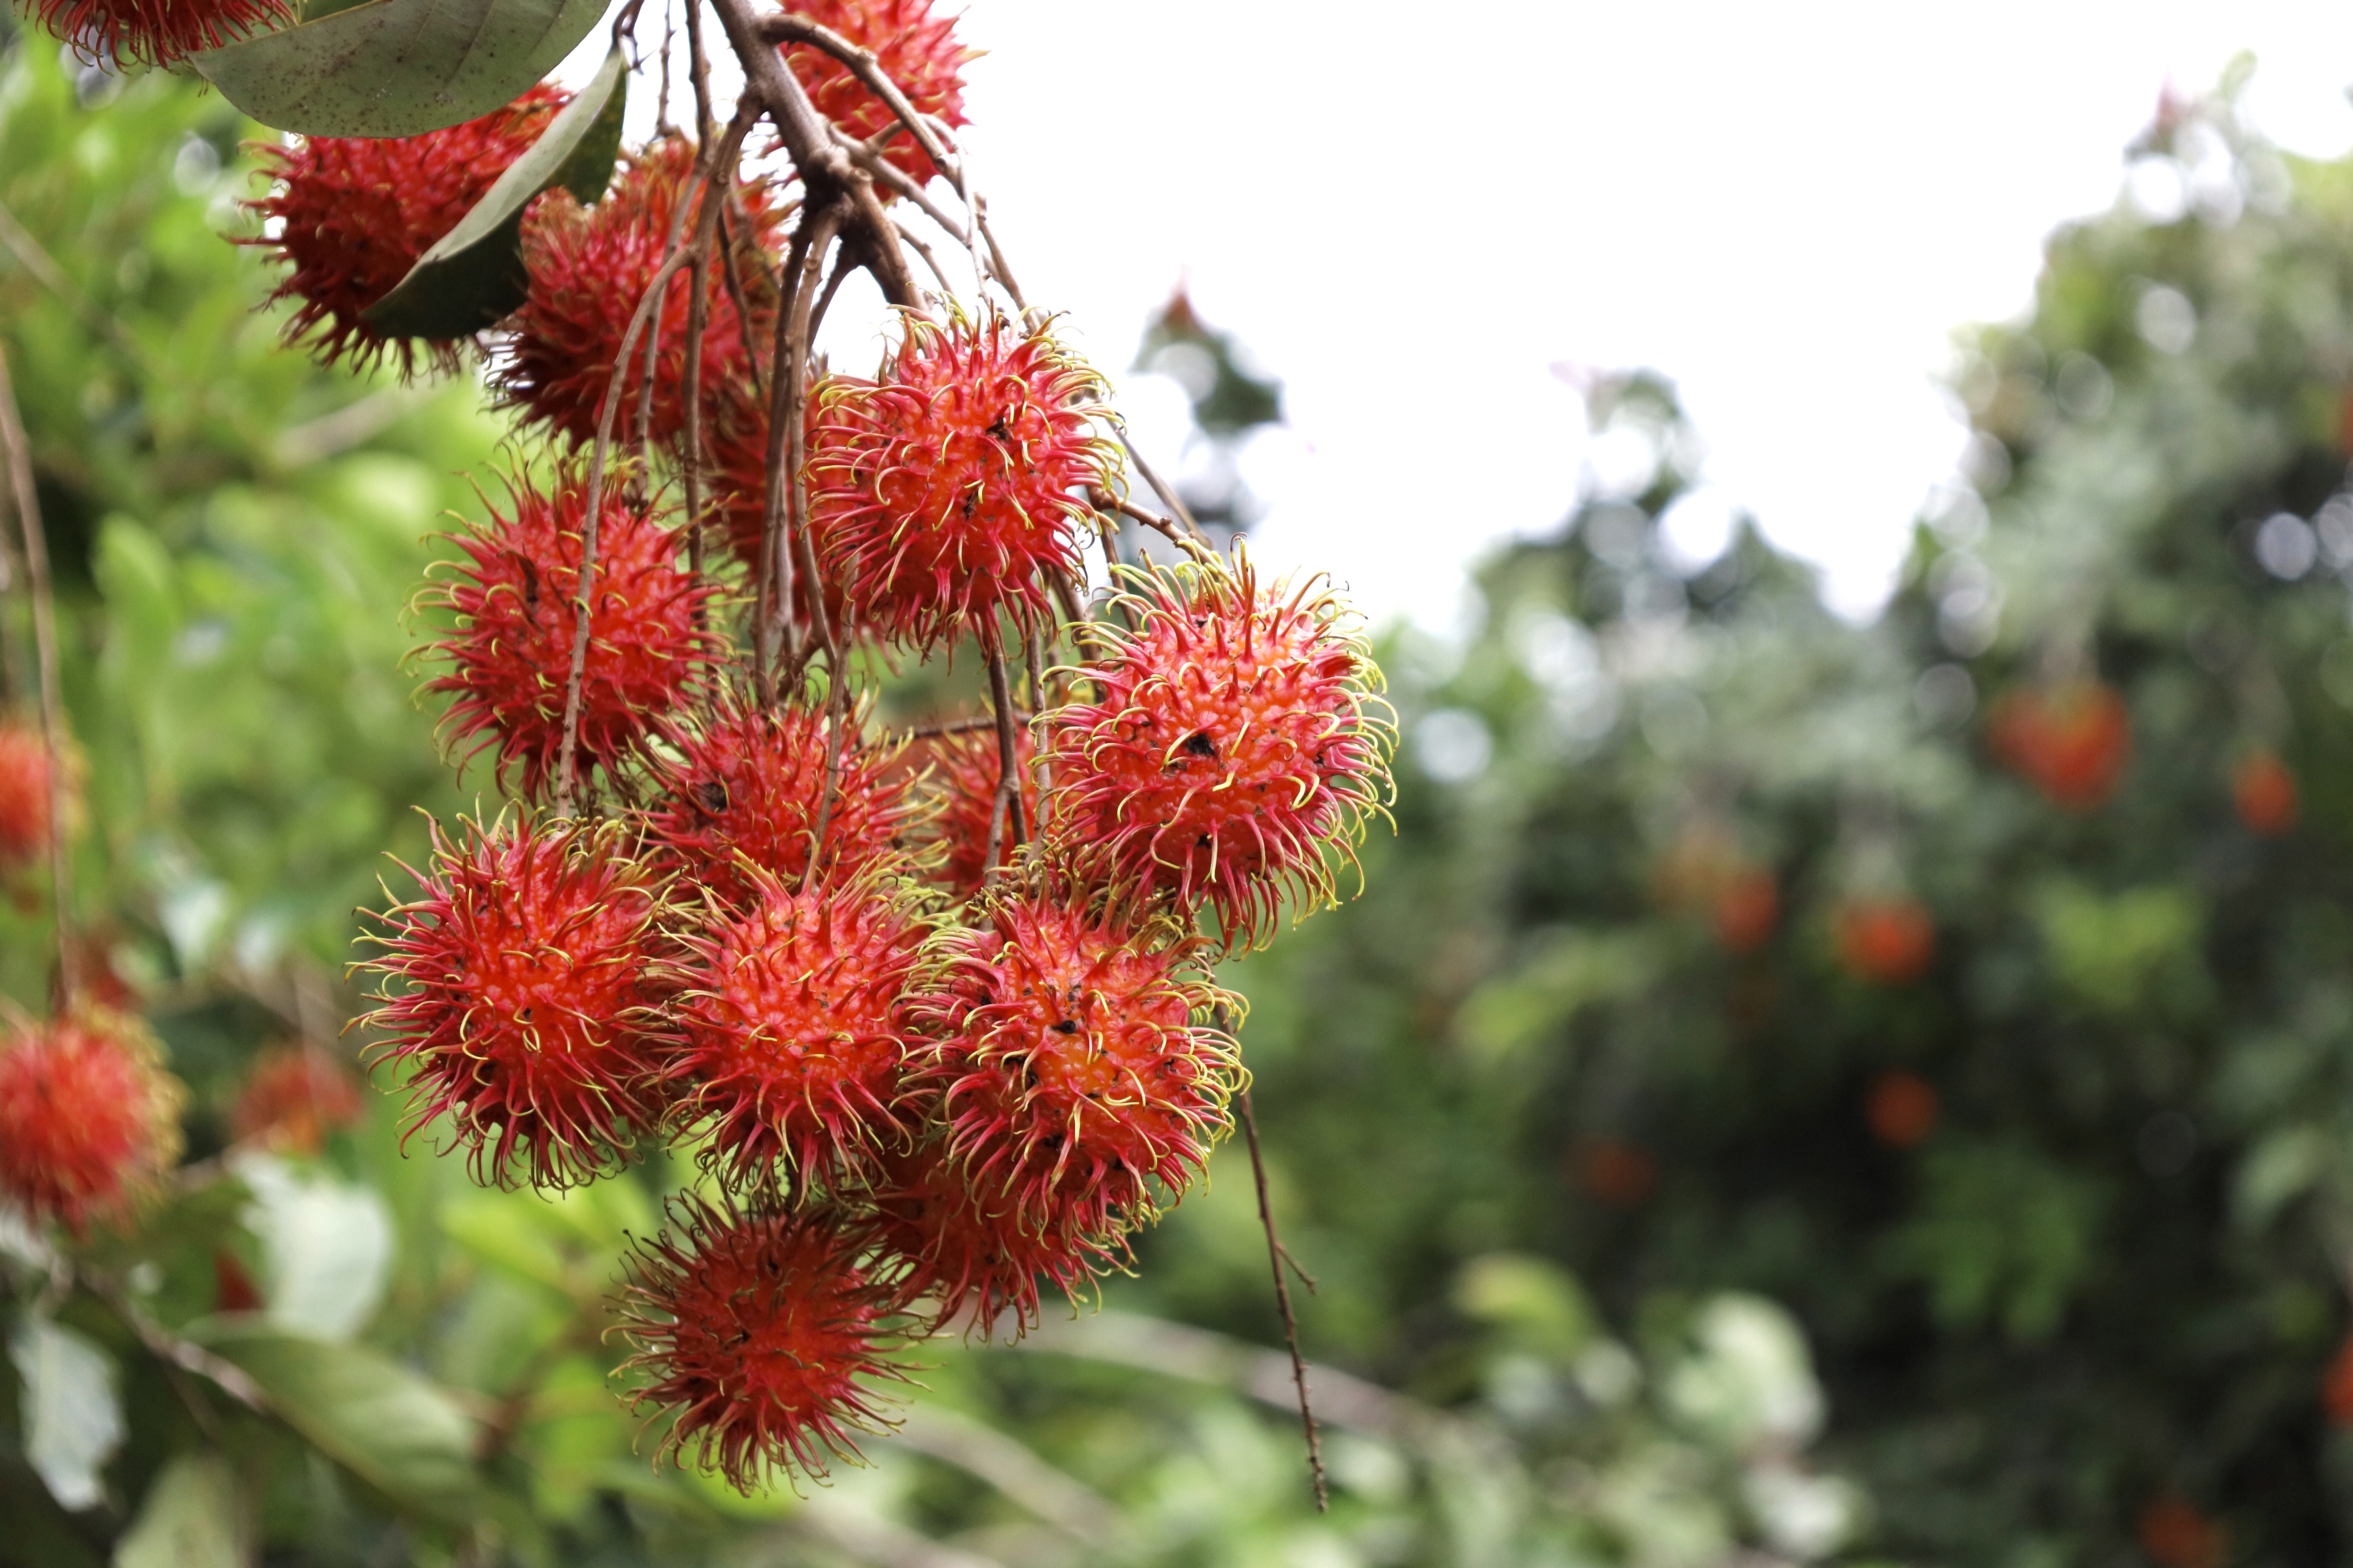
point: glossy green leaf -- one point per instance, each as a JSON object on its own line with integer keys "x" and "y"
{"x": 396, "y": 1431}
{"x": 188, "y": 1520}
{"x": 474, "y": 275}
{"x": 398, "y": 68}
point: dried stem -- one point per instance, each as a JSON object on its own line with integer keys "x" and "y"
{"x": 956, "y": 726}
{"x": 782, "y": 28}
{"x": 1276, "y": 1256}
{"x": 1169, "y": 498}
{"x": 1006, "y": 811}
{"x": 20, "y": 455}
{"x": 1107, "y": 502}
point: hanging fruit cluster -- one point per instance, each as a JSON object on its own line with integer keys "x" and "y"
{"x": 933, "y": 1009}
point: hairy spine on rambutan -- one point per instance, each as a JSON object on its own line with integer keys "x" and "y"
{"x": 761, "y": 1333}
{"x": 794, "y": 1030}
{"x": 515, "y": 596}
{"x": 963, "y": 781}
{"x": 915, "y": 49}
{"x": 351, "y": 216}
{"x": 156, "y": 32}
{"x": 746, "y": 787}
{"x": 23, "y": 795}
{"x": 89, "y": 1120}
{"x": 590, "y": 267}
{"x": 1069, "y": 1052}
{"x": 1234, "y": 746}
{"x": 519, "y": 997}
{"x": 971, "y": 1251}
{"x": 948, "y": 490}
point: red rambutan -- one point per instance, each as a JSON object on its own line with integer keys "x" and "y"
{"x": 292, "y": 1098}
{"x": 525, "y": 1009}
{"x": 762, "y": 1335}
{"x": 747, "y": 787}
{"x": 352, "y": 216}
{"x": 155, "y": 31}
{"x": 1066, "y": 1058}
{"x": 23, "y": 795}
{"x": 1888, "y": 942}
{"x": 942, "y": 492}
{"x": 89, "y": 1118}
{"x": 794, "y": 1029}
{"x": 915, "y": 49}
{"x": 969, "y": 1248}
{"x": 1229, "y": 746}
{"x": 1901, "y": 1108}
{"x": 964, "y": 782}
{"x": 739, "y": 500}
{"x": 589, "y": 267}
{"x": 2070, "y": 741}
{"x": 515, "y": 598}
{"x": 2265, "y": 793}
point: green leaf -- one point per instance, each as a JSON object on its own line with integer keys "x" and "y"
{"x": 474, "y": 274}
{"x": 392, "y": 1429}
{"x": 189, "y": 1520}
{"x": 398, "y": 68}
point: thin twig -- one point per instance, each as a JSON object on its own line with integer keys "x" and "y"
{"x": 782, "y": 28}
{"x": 956, "y": 726}
{"x": 1275, "y": 1256}
{"x": 891, "y": 174}
{"x": 1005, "y": 812}
{"x": 1169, "y": 498}
{"x": 706, "y": 124}
{"x": 1107, "y": 502}
{"x": 930, "y": 260}
{"x": 19, "y": 456}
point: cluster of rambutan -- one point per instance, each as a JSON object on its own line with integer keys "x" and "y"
{"x": 941, "y": 1039}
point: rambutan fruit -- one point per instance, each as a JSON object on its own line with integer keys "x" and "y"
{"x": 793, "y": 1027}
{"x": 1888, "y": 942}
{"x": 515, "y": 597}
{"x": 590, "y": 266}
{"x": 963, "y": 781}
{"x": 156, "y": 32}
{"x": 945, "y": 493}
{"x": 23, "y": 795}
{"x": 746, "y": 788}
{"x": 292, "y": 1098}
{"x": 762, "y": 1334}
{"x": 2071, "y": 742}
{"x": 2265, "y": 792}
{"x": 971, "y": 1250}
{"x": 1618, "y": 1173}
{"x": 1066, "y": 1053}
{"x": 1747, "y": 908}
{"x": 1230, "y": 746}
{"x": 89, "y": 1120}
{"x": 915, "y": 49}
{"x": 1901, "y": 1108}
{"x": 519, "y": 997}
{"x": 352, "y": 214}
{"x": 2337, "y": 1385}
{"x": 738, "y": 473}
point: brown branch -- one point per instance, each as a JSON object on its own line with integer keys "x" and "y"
{"x": 1005, "y": 810}
{"x": 956, "y": 726}
{"x": 20, "y": 455}
{"x": 1169, "y": 498}
{"x": 891, "y": 174}
{"x": 1275, "y": 1256}
{"x": 1107, "y": 502}
{"x": 778, "y": 28}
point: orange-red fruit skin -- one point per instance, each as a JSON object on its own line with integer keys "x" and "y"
{"x": 351, "y": 216}
{"x": 2265, "y": 794}
{"x": 971, "y": 1251}
{"x": 155, "y": 31}
{"x": 1067, "y": 1060}
{"x": 590, "y": 266}
{"x": 965, "y": 779}
{"x": 1888, "y": 942}
{"x": 762, "y": 1334}
{"x": 2072, "y": 742}
{"x": 292, "y": 1098}
{"x": 1228, "y": 747}
{"x": 749, "y": 786}
{"x": 518, "y": 998}
{"x": 515, "y": 597}
{"x": 1747, "y": 908}
{"x": 1901, "y": 1109}
{"x": 915, "y": 49}
{"x": 88, "y": 1120}
{"x": 795, "y": 1032}
{"x": 2337, "y": 1385}
{"x": 23, "y": 795}
{"x": 940, "y": 494}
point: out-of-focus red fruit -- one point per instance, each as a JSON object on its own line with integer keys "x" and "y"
{"x": 1901, "y": 1109}
{"x": 915, "y": 49}
{"x": 156, "y": 32}
{"x": 1887, "y": 942}
{"x": 233, "y": 1288}
{"x": 89, "y": 1120}
{"x": 2070, "y": 741}
{"x": 1747, "y": 908}
{"x": 2337, "y": 1385}
{"x": 349, "y": 215}
{"x": 1618, "y": 1173}
{"x": 23, "y": 795}
{"x": 2265, "y": 793}
{"x": 2176, "y": 1535}
{"x": 292, "y": 1098}
{"x": 965, "y": 778}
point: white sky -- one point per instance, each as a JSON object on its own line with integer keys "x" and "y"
{"x": 1411, "y": 214}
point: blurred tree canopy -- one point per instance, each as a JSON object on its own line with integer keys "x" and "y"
{"x": 1963, "y": 997}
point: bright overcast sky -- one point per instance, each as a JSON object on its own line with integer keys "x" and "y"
{"x": 1412, "y": 213}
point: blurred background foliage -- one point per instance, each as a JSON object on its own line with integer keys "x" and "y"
{"x": 1791, "y": 1091}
